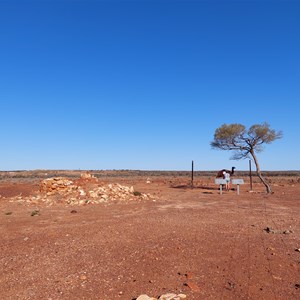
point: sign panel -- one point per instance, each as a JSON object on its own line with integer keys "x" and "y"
{"x": 220, "y": 181}
{"x": 237, "y": 181}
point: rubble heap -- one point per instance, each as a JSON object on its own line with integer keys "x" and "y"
{"x": 88, "y": 191}
{"x": 86, "y": 175}
{"x": 60, "y": 185}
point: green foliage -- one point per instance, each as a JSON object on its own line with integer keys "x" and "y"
{"x": 243, "y": 142}
{"x": 263, "y": 134}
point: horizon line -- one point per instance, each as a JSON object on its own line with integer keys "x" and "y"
{"x": 139, "y": 170}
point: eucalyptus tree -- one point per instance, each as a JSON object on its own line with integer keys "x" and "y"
{"x": 245, "y": 143}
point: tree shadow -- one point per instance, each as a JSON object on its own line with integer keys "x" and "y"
{"x": 195, "y": 187}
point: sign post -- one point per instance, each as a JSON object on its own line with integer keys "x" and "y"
{"x": 238, "y": 182}
{"x": 192, "y": 182}
{"x": 220, "y": 181}
{"x": 250, "y": 174}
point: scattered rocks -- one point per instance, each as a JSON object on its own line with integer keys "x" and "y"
{"x": 87, "y": 190}
{"x": 270, "y": 230}
{"x": 190, "y": 281}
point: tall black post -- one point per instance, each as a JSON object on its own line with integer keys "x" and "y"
{"x": 192, "y": 183}
{"x": 250, "y": 174}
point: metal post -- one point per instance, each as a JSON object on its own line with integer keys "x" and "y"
{"x": 250, "y": 174}
{"x": 238, "y": 189}
{"x": 220, "y": 189}
{"x": 192, "y": 173}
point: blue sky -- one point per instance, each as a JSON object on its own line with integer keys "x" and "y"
{"x": 144, "y": 84}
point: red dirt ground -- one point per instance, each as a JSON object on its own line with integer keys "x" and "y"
{"x": 191, "y": 241}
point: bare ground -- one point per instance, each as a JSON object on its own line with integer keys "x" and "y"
{"x": 191, "y": 241}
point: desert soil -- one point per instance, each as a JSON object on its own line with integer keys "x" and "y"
{"x": 183, "y": 240}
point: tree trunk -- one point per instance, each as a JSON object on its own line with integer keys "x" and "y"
{"x": 258, "y": 172}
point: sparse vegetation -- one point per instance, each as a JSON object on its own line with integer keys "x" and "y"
{"x": 103, "y": 174}
{"x": 35, "y": 212}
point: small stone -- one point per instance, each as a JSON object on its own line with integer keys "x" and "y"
{"x": 193, "y": 286}
{"x": 172, "y": 296}
{"x": 82, "y": 192}
{"x": 269, "y": 230}
{"x": 169, "y": 296}
{"x": 145, "y": 297}
{"x": 189, "y": 275}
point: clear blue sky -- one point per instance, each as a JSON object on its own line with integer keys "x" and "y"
{"x": 144, "y": 84}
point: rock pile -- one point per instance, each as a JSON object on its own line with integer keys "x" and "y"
{"x": 62, "y": 190}
{"x": 60, "y": 185}
{"x": 113, "y": 192}
{"x": 86, "y": 175}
